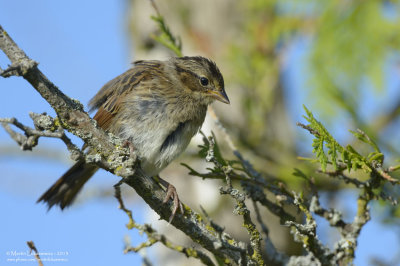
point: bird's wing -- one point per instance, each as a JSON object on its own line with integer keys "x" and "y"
{"x": 108, "y": 100}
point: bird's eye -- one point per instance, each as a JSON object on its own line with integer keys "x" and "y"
{"x": 204, "y": 81}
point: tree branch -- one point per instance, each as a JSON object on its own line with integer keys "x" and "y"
{"x": 113, "y": 157}
{"x": 154, "y": 237}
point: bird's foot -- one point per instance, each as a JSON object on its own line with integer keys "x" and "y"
{"x": 129, "y": 144}
{"x": 172, "y": 194}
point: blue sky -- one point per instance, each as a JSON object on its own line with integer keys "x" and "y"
{"x": 80, "y": 45}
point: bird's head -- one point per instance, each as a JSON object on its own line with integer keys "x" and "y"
{"x": 200, "y": 77}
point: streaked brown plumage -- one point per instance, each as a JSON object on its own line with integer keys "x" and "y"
{"x": 158, "y": 106}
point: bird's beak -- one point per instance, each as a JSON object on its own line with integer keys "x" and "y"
{"x": 220, "y": 95}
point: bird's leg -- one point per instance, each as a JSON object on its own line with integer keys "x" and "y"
{"x": 171, "y": 194}
{"x": 129, "y": 144}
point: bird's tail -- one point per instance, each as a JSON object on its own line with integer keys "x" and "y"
{"x": 65, "y": 189}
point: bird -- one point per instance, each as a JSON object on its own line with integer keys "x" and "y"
{"x": 157, "y": 106}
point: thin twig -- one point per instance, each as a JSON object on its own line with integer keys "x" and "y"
{"x": 32, "y": 247}
{"x": 333, "y": 216}
{"x": 222, "y": 129}
{"x": 111, "y": 155}
{"x": 348, "y": 180}
{"x": 154, "y": 237}
{"x": 273, "y": 255}
{"x": 153, "y": 3}
{"x": 312, "y": 131}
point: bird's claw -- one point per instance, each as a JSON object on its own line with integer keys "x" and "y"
{"x": 172, "y": 194}
{"x": 129, "y": 144}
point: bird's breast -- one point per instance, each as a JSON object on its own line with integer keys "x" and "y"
{"x": 159, "y": 136}
{"x": 162, "y": 147}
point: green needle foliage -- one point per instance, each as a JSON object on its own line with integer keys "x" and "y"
{"x": 349, "y": 156}
{"x": 166, "y": 37}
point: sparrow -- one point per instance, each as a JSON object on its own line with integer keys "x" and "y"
{"x": 157, "y": 107}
